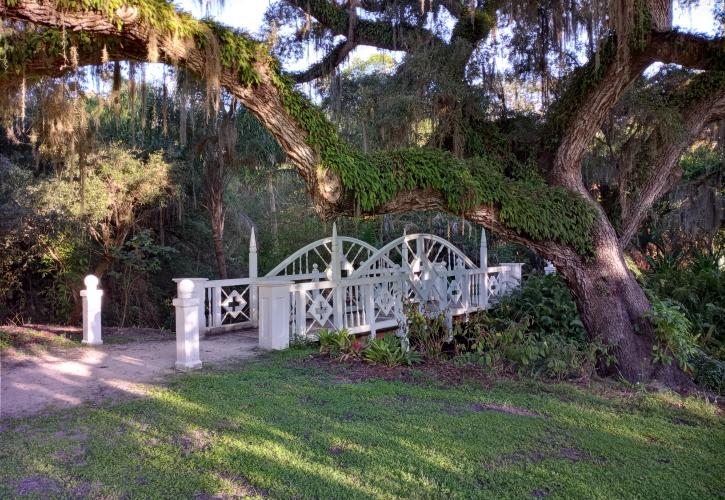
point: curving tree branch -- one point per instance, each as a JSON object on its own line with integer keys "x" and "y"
{"x": 688, "y": 50}
{"x": 341, "y": 20}
{"x": 327, "y": 65}
{"x": 665, "y": 171}
{"x": 263, "y": 99}
{"x": 596, "y": 87}
{"x": 397, "y": 36}
{"x": 46, "y": 62}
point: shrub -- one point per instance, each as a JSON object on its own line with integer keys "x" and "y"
{"x": 427, "y": 333}
{"x": 687, "y": 291}
{"x": 709, "y": 372}
{"x": 695, "y": 281}
{"x": 335, "y": 342}
{"x": 547, "y": 303}
{"x": 389, "y": 351}
{"x": 673, "y": 333}
{"x": 536, "y": 331}
{"x": 514, "y": 347}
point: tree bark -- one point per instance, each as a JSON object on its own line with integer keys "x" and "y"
{"x": 613, "y": 308}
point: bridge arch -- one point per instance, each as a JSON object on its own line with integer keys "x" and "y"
{"x": 316, "y": 261}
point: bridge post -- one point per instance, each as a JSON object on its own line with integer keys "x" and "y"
{"x": 253, "y": 287}
{"x": 187, "y": 327}
{"x": 483, "y": 277}
{"x": 549, "y": 268}
{"x": 338, "y": 292}
{"x": 513, "y": 270}
{"x": 406, "y": 273}
{"x": 483, "y": 251}
{"x": 464, "y": 281}
{"x": 335, "y": 271}
{"x": 274, "y": 314}
{"x": 216, "y": 310}
{"x": 370, "y": 308}
{"x": 301, "y": 311}
{"x": 420, "y": 254}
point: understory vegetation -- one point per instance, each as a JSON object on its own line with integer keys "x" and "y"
{"x": 536, "y": 331}
{"x": 294, "y": 425}
{"x": 688, "y": 288}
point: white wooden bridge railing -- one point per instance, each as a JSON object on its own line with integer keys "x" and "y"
{"x": 341, "y": 282}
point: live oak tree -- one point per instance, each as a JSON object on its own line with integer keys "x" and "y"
{"x": 530, "y": 192}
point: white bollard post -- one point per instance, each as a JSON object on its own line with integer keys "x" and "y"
{"x": 91, "y": 297}
{"x": 274, "y": 314}
{"x": 199, "y": 293}
{"x": 187, "y": 327}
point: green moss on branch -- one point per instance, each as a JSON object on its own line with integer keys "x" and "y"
{"x": 529, "y": 207}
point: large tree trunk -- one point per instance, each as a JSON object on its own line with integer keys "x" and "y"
{"x": 613, "y": 308}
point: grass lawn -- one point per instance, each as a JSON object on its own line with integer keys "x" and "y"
{"x": 287, "y": 425}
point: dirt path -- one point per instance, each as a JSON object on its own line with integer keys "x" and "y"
{"x": 61, "y": 378}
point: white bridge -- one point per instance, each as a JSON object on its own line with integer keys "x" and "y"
{"x": 342, "y": 282}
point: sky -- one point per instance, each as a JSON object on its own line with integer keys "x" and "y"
{"x": 248, "y": 14}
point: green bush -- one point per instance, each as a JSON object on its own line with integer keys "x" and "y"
{"x": 536, "y": 331}
{"x": 694, "y": 281}
{"x": 687, "y": 291}
{"x": 389, "y": 351}
{"x": 673, "y": 333}
{"x": 514, "y": 347}
{"x": 335, "y": 342}
{"x": 709, "y": 372}
{"x": 427, "y": 333}
{"x": 547, "y": 303}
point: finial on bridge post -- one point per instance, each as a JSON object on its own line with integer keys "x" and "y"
{"x": 335, "y": 255}
{"x": 253, "y": 273}
{"x": 483, "y": 251}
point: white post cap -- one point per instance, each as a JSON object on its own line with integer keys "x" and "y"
{"x": 91, "y": 282}
{"x": 185, "y": 289}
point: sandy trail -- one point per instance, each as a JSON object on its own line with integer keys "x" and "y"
{"x": 63, "y": 378}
